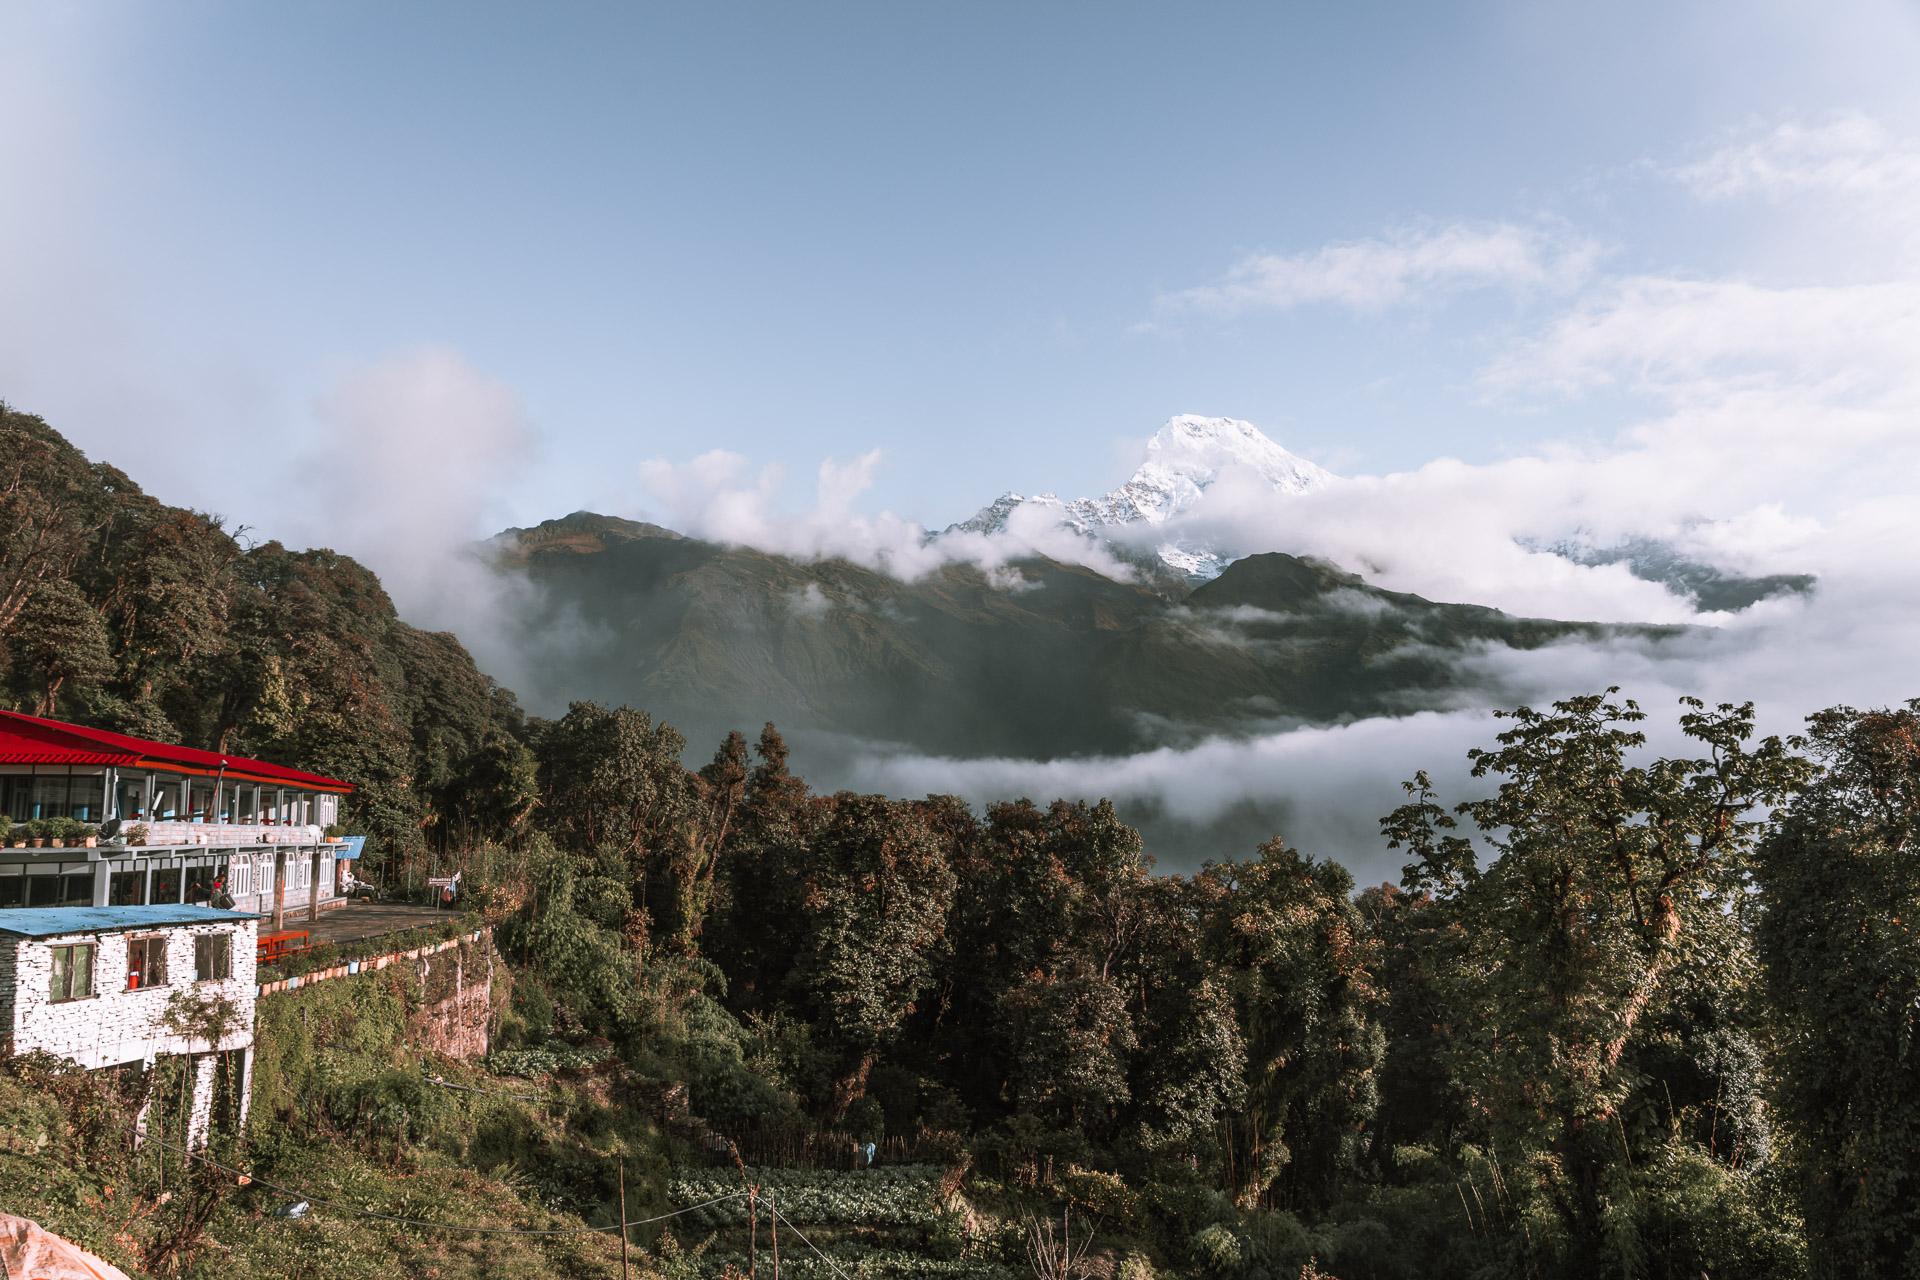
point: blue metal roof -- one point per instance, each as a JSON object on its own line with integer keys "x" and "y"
{"x": 47, "y": 922}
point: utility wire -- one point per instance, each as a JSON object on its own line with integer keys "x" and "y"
{"x": 492, "y": 1093}
{"x": 810, "y": 1244}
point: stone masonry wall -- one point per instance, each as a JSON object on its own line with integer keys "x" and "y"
{"x": 457, "y": 980}
{"x": 458, "y": 1014}
{"x": 115, "y": 1025}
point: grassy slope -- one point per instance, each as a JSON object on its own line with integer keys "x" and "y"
{"x": 469, "y": 1158}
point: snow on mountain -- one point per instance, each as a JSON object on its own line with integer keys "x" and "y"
{"x": 1183, "y": 460}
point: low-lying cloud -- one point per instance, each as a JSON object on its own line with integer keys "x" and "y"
{"x": 721, "y": 497}
{"x": 1777, "y": 431}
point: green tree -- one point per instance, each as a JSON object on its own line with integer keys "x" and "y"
{"x": 1607, "y": 878}
{"x": 491, "y": 792}
{"x": 1072, "y": 1039}
{"x": 1840, "y": 882}
{"x": 1287, "y": 938}
{"x": 873, "y": 907}
{"x": 58, "y": 639}
{"x": 1045, "y": 896}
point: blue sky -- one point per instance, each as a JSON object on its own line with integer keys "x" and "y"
{"x": 797, "y": 232}
{"x": 389, "y": 277}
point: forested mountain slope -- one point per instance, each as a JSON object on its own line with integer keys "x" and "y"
{"x": 1063, "y": 661}
{"x": 119, "y": 611}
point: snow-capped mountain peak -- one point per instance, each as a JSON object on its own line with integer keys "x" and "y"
{"x": 1183, "y": 460}
{"x": 1187, "y": 455}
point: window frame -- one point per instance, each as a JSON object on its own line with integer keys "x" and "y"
{"x": 54, "y": 974}
{"x": 151, "y": 945}
{"x": 217, "y": 948}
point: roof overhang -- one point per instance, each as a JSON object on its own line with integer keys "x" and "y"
{"x": 31, "y": 740}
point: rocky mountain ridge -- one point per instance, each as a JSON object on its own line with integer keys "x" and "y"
{"x": 1183, "y": 460}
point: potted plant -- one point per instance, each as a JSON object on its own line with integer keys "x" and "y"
{"x": 89, "y": 835}
{"x": 335, "y": 833}
{"x": 36, "y": 832}
{"x": 137, "y": 833}
{"x": 7, "y": 834}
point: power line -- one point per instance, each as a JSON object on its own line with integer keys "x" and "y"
{"x": 491, "y": 1093}
{"x": 810, "y": 1244}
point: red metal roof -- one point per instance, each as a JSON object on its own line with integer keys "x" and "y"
{"x": 31, "y": 740}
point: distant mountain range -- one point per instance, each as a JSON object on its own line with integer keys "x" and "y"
{"x": 712, "y": 638}
{"x": 1064, "y": 661}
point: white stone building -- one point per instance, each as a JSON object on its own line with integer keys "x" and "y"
{"x": 124, "y": 986}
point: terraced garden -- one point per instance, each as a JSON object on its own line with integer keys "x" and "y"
{"x": 884, "y": 1223}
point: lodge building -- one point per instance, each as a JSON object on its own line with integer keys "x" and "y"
{"x": 100, "y": 936}
{"x": 189, "y": 820}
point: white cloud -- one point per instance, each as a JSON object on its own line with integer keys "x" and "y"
{"x": 1703, "y": 341}
{"x": 1371, "y": 275}
{"x": 1853, "y": 155}
{"x": 718, "y": 496}
{"x": 417, "y": 455}
{"x": 809, "y": 602}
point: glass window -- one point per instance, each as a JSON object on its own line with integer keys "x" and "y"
{"x": 72, "y": 972}
{"x": 13, "y": 891}
{"x": 127, "y": 889}
{"x": 86, "y": 793}
{"x": 200, "y": 793}
{"x": 146, "y": 962}
{"x": 246, "y": 802}
{"x": 60, "y": 891}
{"x": 213, "y": 957}
{"x": 130, "y": 799}
{"x": 165, "y": 887}
{"x": 166, "y": 799}
{"x": 200, "y": 884}
{"x": 49, "y": 796}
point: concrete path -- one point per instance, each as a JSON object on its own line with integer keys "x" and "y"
{"x": 365, "y": 919}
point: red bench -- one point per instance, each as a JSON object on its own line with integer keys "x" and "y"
{"x": 278, "y": 946}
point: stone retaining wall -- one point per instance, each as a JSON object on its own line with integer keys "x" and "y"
{"x": 457, "y": 975}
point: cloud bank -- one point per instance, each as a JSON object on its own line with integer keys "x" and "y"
{"x": 1768, "y": 427}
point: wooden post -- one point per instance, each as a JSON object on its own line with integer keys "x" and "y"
{"x": 313, "y": 894}
{"x": 623, "y": 1220}
{"x": 773, "y": 1208}
{"x": 279, "y": 889}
